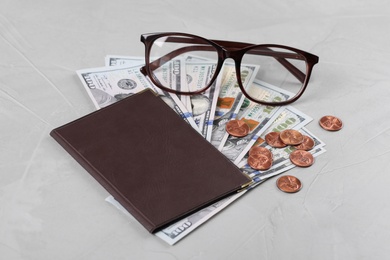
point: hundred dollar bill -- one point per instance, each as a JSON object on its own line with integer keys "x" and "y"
{"x": 199, "y": 72}
{"x": 106, "y": 85}
{"x": 230, "y": 99}
{"x": 281, "y": 157}
{"x": 171, "y": 73}
{"x": 203, "y": 104}
{"x": 183, "y": 227}
{"x": 289, "y": 118}
{"x": 258, "y": 117}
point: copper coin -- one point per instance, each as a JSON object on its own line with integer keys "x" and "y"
{"x": 289, "y": 184}
{"x": 331, "y": 123}
{"x": 291, "y": 137}
{"x": 237, "y": 128}
{"x": 307, "y": 144}
{"x": 301, "y": 158}
{"x": 260, "y": 162}
{"x": 260, "y": 150}
{"x": 273, "y": 139}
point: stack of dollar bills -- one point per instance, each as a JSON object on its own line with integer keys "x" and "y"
{"x": 207, "y": 113}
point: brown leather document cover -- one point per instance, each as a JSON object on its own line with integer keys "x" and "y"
{"x": 153, "y": 163}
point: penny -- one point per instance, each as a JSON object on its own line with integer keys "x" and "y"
{"x": 237, "y": 128}
{"x": 331, "y": 123}
{"x": 273, "y": 139}
{"x": 260, "y": 150}
{"x": 302, "y": 158}
{"x": 260, "y": 162}
{"x": 291, "y": 137}
{"x": 289, "y": 184}
{"x": 307, "y": 144}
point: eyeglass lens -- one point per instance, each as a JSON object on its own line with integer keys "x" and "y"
{"x": 183, "y": 63}
{"x": 278, "y": 68}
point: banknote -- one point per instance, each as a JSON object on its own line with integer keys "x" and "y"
{"x": 175, "y": 232}
{"x": 183, "y": 227}
{"x": 106, "y": 85}
{"x": 258, "y": 117}
{"x": 203, "y": 104}
{"x": 199, "y": 72}
{"x": 230, "y": 99}
{"x": 288, "y": 118}
{"x": 172, "y": 73}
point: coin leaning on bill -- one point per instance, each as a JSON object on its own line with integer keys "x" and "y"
{"x": 237, "y": 128}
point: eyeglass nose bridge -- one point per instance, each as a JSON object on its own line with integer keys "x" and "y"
{"x": 233, "y": 53}
{"x": 236, "y": 55}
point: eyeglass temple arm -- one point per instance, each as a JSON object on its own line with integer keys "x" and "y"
{"x": 279, "y": 56}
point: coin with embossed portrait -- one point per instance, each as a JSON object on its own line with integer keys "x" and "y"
{"x": 301, "y": 158}
{"x": 237, "y": 128}
{"x": 291, "y": 137}
{"x": 273, "y": 139}
{"x": 260, "y": 150}
{"x": 289, "y": 184}
{"x": 331, "y": 123}
{"x": 307, "y": 144}
{"x": 260, "y": 162}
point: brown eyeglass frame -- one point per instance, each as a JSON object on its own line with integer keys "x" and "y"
{"x": 228, "y": 49}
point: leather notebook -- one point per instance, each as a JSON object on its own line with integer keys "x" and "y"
{"x": 150, "y": 160}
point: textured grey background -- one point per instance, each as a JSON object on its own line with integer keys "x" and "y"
{"x": 51, "y": 209}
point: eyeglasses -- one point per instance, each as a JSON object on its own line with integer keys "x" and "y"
{"x": 187, "y": 64}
